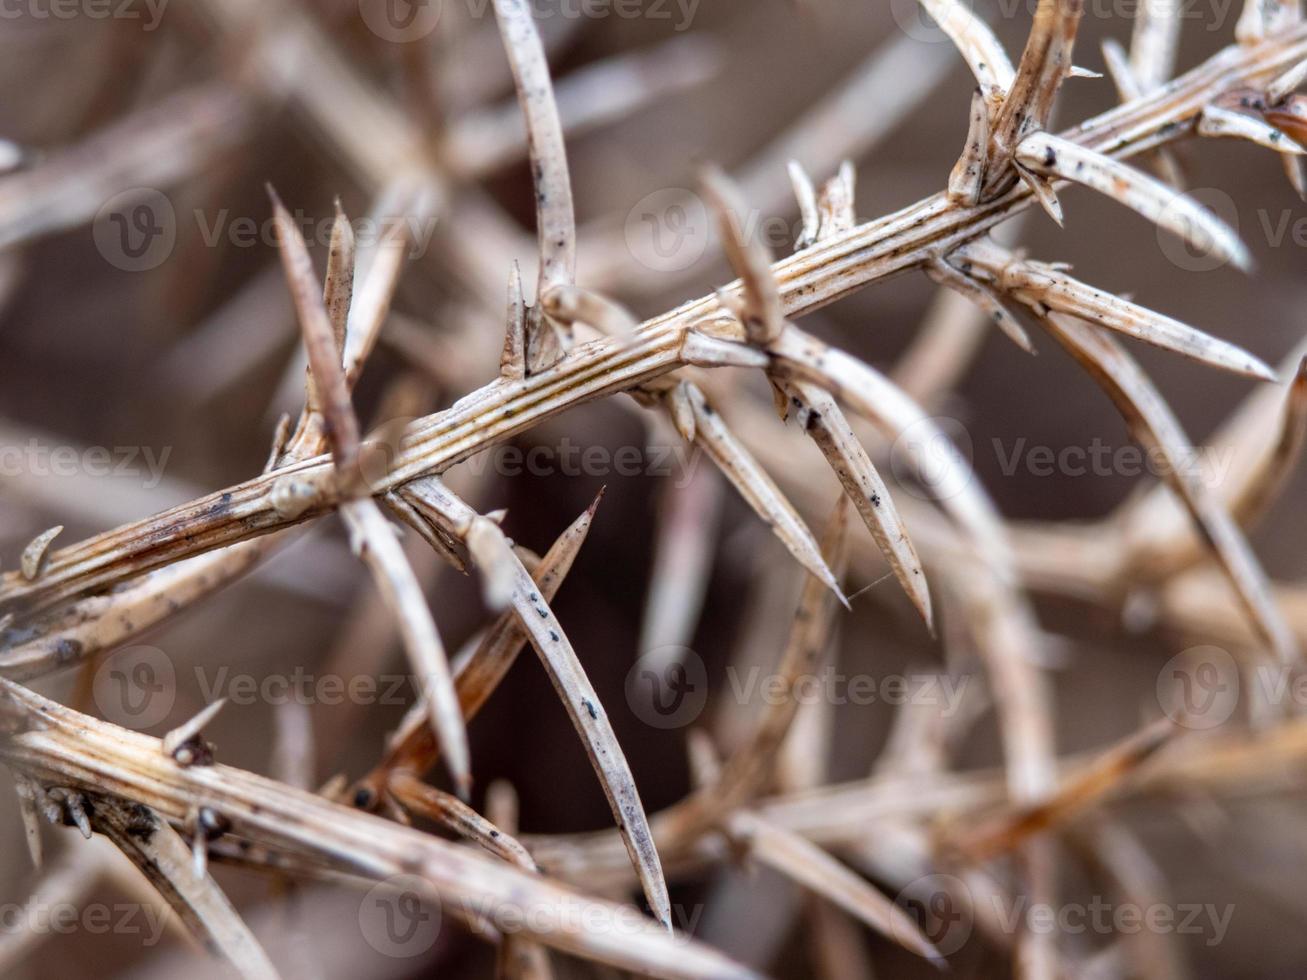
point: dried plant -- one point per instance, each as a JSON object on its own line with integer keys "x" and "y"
{"x": 906, "y": 850}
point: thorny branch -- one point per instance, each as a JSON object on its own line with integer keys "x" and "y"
{"x": 807, "y": 281}
{"x": 571, "y": 345}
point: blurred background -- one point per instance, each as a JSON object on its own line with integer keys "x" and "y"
{"x": 148, "y": 347}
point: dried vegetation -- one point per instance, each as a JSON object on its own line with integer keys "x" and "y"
{"x": 763, "y": 794}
